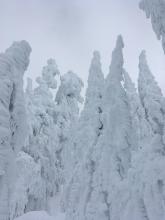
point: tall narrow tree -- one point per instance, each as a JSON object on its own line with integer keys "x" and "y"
{"x": 13, "y": 64}
{"x": 152, "y": 101}
{"x": 87, "y": 131}
{"x": 36, "y": 180}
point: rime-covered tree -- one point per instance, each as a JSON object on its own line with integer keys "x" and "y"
{"x": 155, "y": 10}
{"x": 145, "y": 198}
{"x": 152, "y": 101}
{"x": 36, "y": 181}
{"x": 111, "y": 156}
{"x": 83, "y": 144}
{"x": 114, "y": 147}
{"x": 116, "y": 117}
{"x": 13, "y": 64}
{"x": 68, "y": 97}
{"x": 90, "y": 124}
{"x": 141, "y": 128}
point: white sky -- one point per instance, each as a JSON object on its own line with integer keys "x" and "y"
{"x": 69, "y": 31}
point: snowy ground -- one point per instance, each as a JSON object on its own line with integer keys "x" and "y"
{"x": 40, "y": 215}
{"x": 54, "y": 212}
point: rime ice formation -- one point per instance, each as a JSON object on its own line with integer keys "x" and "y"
{"x": 83, "y": 144}
{"x": 36, "y": 181}
{"x": 68, "y": 97}
{"x": 155, "y": 10}
{"x": 152, "y": 101}
{"x": 141, "y": 195}
{"x": 142, "y": 130}
{"x": 41, "y": 160}
{"x": 13, "y": 64}
{"x": 106, "y": 162}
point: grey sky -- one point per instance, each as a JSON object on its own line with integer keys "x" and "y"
{"x": 69, "y": 30}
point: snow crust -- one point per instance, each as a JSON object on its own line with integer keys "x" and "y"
{"x": 40, "y": 215}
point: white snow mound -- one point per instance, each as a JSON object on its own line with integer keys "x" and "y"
{"x": 40, "y": 215}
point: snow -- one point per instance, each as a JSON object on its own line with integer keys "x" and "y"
{"x": 155, "y": 10}
{"x": 13, "y": 64}
{"x": 105, "y": 163}
{"x": 40, "y": 215}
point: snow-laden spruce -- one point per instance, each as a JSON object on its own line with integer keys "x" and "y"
{"x": 83, "y": 144}
{"x": 141, "y": 195}
{"x": 105, "y": 162}
{"x": 153, "y": 102}
{"x": 36, "y": 179}
{"x": 68, "y": 98}
{"x": 41, "y": 160}
{"x": 113, "y": 155}
{"x": 141, "y": 128}
{"x": 13, "y": 64}
{"x": 155, "y": 10}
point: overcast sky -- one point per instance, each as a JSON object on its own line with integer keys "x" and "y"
{"x": 69, "y": 30}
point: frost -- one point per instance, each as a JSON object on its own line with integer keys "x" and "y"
{"x": 152, "y": 100}
{"x": 13, "y": 63}
{"x": 105, "y": 163}
{"x": 155, "y": 10}
{"x": 83, "y": 145}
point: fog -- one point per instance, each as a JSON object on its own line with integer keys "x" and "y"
{"x": 69, "y": 31}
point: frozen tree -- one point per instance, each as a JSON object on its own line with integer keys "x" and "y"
{"x": 13, "y": 64}
{"x": 68, "y": 96}
{"x": 145, "y": 198}
{"x": 152, "y": 101}
{"x": 37, "y": 179}
{"x": 116, "y": 117}
{"x": 87, "y": 131}
{"x": 17, "y": 105}
{"x": 48, "y": 127}
{"x": 141, "y": 128}
{"x": 155, "y": 10}
{"x": 46, "y": 82}
{"x": 29, "y": 185}
{"x": 110, "y": 158}
{"x": 90, "y": 123}
{"x": 114, "y": 147}
{"x": 43, "y": 139}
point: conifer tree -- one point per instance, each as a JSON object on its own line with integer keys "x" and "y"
{"x": 13, "y": 64}
{"x": 153, "y": 102}
{"x": 87, "y": 131}
{"x": 155, "y": 10}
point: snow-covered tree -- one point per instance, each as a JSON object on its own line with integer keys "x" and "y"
{"x": 48, "y": 126}
{"x": 116, "y": 117}
{"x": 152, "y": 101}
{"x": 90, "y": 124}
{"x": 114, "y": 147}
{"x": 110, "y": 158}
{"x": 13, "y": 64}
{"x": 84, "y": 141}
{"x": 68, "y": 97}
{"x": 141, "y": 128}
{"x": 145, "y": 198}
{"x": 155, "y": 10}
{"x": 36, "y": 161}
